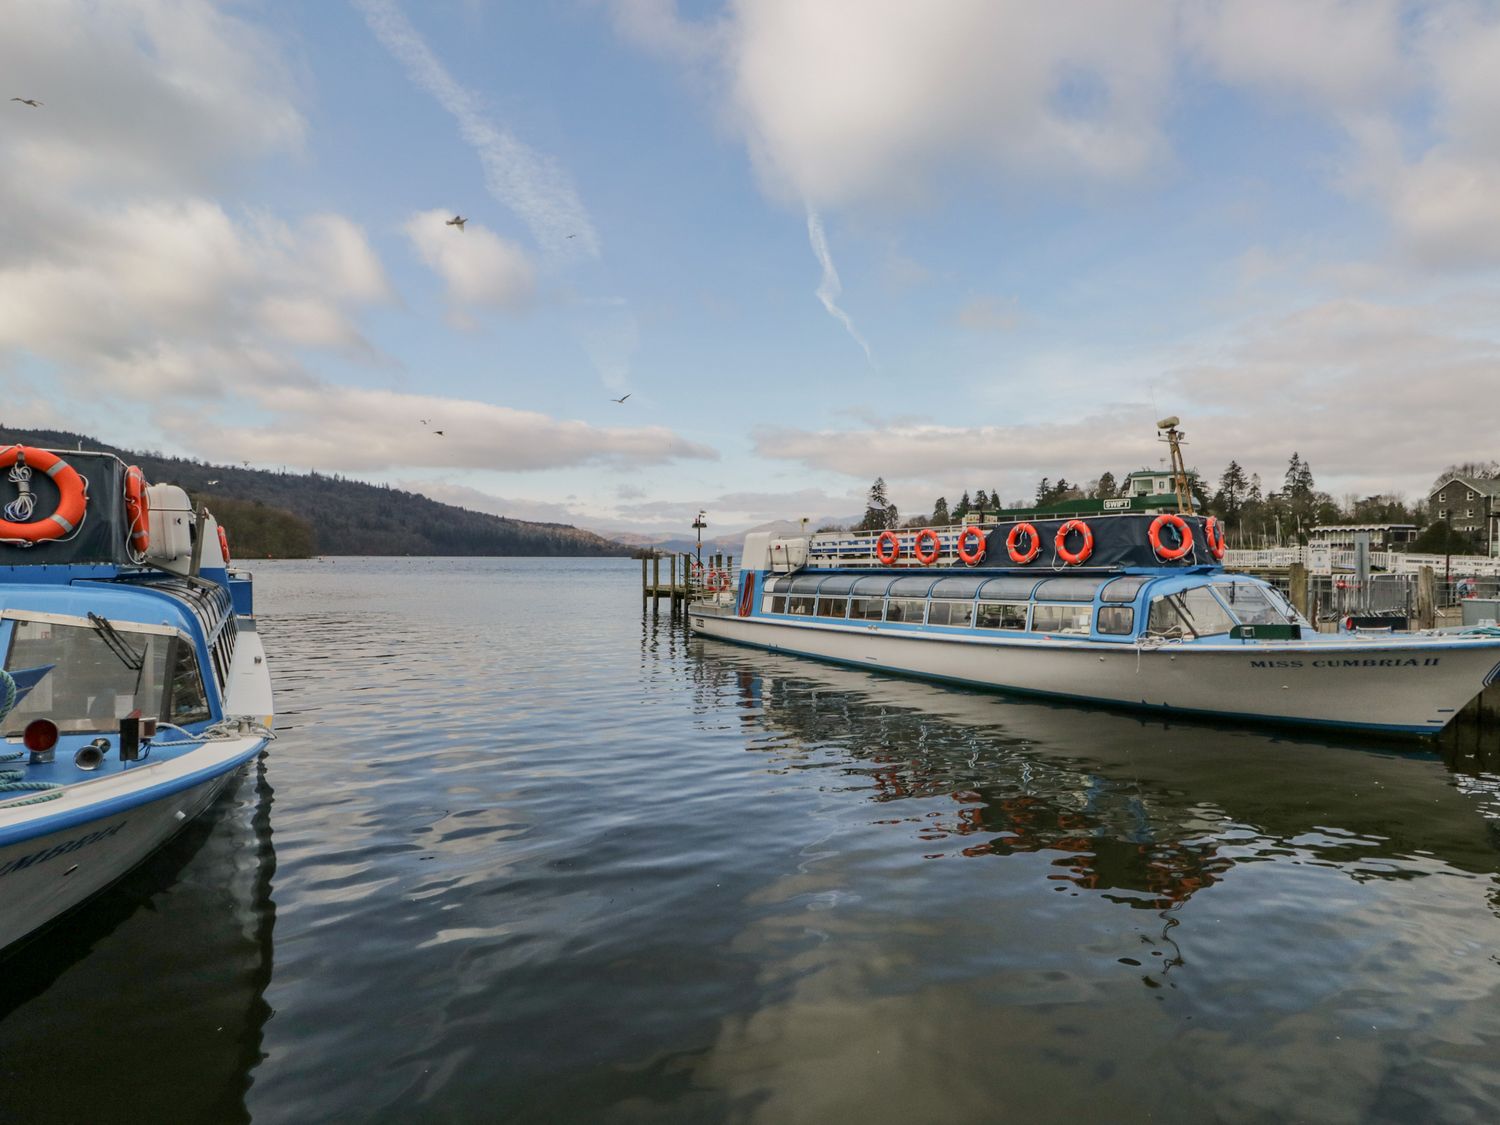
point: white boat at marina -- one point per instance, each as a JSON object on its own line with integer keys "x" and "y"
{"x": 134, "y": 685}
{"x": 1125, "y": 610}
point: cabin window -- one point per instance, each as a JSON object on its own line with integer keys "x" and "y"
{"x": 956, "y": 613}
{"x": 833, "y": 607}
{"x": 801, "y": 606}
{"x": 908, "y": 610}
{"x": 1250, "y": 604}
{"x": 776, "y": 604}
{"x": 1001, "y": 615}
{"x": 961, "y": 586}
{"x": 1124, "y": 589}
{"x": 1188, "y": 613}
{"x": 866, "y": 609}
{"x": 1061, "y": 618}
{"x": 1007, "y": 589}
{"x": 1069, "y": 589}
{"x": 1116, "y": 620}
{"x": 101, "y": 674}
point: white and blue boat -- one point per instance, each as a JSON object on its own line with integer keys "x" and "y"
{"x": 134, "y": 684}
{"x": 1126, "y": 610}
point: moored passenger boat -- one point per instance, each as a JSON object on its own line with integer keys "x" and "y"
{"x": 1127, "y": 610}
{"x": 134, "y": 683}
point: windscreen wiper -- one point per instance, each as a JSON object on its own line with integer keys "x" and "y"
{"x": 117, "y": 644}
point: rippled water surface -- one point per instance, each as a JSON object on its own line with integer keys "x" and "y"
{"x": 521, "y": 854}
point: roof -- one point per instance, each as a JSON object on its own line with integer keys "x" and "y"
{"x": 1481, "y": 485}
{"x": 1163, "y": 472}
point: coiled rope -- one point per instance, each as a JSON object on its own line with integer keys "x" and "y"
{"x": 12, "y": 781}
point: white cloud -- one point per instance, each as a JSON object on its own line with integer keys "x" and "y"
{"x": 849, "y": 100}
{"x": 357, "y": 429}
{"x": 530, "y": 184}
{"x": 480, "y": 268}
{"x": 829, "y": 287}
{"x": 145, "y": 92}
{"x": 1344, "y": 54}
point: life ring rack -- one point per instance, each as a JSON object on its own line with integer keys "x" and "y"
{"x": 1184, "y": 536}
{"x": 72, "y": 502}
{"x": 1071, "y": 557}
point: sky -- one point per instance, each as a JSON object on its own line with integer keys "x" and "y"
{"x": 957, "y": 244}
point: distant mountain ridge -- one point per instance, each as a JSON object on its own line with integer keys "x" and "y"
{"x": 726, "y": 544}
{"x": 346, "y": 517}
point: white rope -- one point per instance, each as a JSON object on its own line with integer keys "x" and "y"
{"x": 19, "y": 510}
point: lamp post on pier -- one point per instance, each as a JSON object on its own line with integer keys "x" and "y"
{"x": 699, "y": 523}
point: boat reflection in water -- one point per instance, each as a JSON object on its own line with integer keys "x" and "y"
{"x": 147, "y": 1003}
{"x": 997, "y": 879}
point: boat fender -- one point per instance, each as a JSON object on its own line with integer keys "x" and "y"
{"x": 1073, "y": 558}
{"x": 1213, "y": 531}
{"x": 74, "y": 499}
{"x": 1014, "y": 538}
{"x": 1184, "y": 536}
{"x": 971, "y": 558}
{"x": 224, "y": 544}
{"x": 926, "y": 558}
{"x": 882, "y": 541}
{"x": 137, "y": 511}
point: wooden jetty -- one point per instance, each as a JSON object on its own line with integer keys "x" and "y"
{"x": 685, "y": 577}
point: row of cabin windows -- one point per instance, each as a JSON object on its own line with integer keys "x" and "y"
{"x": 1114, "y": 620}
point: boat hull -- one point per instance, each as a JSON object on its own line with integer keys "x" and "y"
{"x": 59, "y": 857}
{"x": 1411, "y": 686}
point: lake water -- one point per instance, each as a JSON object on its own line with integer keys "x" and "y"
{"x": 521, "y": 854}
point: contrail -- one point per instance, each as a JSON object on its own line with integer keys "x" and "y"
{"x": 829, "y": 288}
{"x": 527, "y": 182}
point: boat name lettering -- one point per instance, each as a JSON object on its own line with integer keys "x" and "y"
{"x": 1353, "y": 662}
{"x": 64, "y": 848}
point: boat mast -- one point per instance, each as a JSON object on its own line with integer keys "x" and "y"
{"x": 1174, "y": 439}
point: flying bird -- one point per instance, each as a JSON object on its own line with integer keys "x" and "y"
{"x": 622, "y": 398}
{"x": 457, "y": 221}
{"x": 572, "y": 236}
{"x": 439, "y": 433}
{"x": 425, "y": 421}
{"x": 32, "y": 102}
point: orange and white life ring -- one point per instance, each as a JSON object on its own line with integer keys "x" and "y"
{"x": 928, "y": 557}
{"x": 1184, "y": 536}
{"x": 224, "y": 544}
{"x": 137, "y": 510}
{"x": 1213, "y": 531}
{"x": 968, "y": 557}
{"x": 1017, "y": 555}
{"x": 717, "y": 581}
{"x": 884, "y": 539}
{"x": 1073, "y": 558}
{"x": 73, "y": 500}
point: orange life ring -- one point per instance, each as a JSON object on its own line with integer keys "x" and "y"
{"x": 137, "y": 510}
{"x": 74, "y": 498}
{"x": 927, "y": 558}
{"x": 1073, "y": 558}
{"x": 1184, "y": 536}
{"x": 718, "y": 580}
{"x": 1213, "y": 531}
{"x": 224, "y": 544}
{"x": 1015, "y": 534}
{"x": 880, "y": 544}
{"x": 970, "y": 558}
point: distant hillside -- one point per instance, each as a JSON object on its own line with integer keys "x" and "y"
{"x": 346, "y": 517}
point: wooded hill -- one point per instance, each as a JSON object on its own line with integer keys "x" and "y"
{"x": 290, "y": 515}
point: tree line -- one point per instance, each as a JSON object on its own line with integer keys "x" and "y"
{"x": 1253, "y": 514}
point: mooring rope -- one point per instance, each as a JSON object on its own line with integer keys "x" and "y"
{"x": 11, "y": 781}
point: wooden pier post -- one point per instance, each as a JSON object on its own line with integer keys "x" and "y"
{"x": 1426, "y": 598}
{"x": 645, "y": 586}
{"x": 1297, "y": 588}
{"x": 672, "y": 577}
{"x": 655, "y": 581}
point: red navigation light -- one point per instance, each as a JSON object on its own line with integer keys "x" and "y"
{"x": 40, "y": 735}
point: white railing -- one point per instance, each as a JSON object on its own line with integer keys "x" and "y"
{"x": 1328, "y": 560}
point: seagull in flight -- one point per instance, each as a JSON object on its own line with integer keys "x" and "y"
{"x": 457, "y": 221}
{"x": 32, "y": 102}
{"x": 438, "y": 433}
{"x": 622, "y": 398}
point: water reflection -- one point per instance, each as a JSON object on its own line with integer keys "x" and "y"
{"x": 148, "y": 1002}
